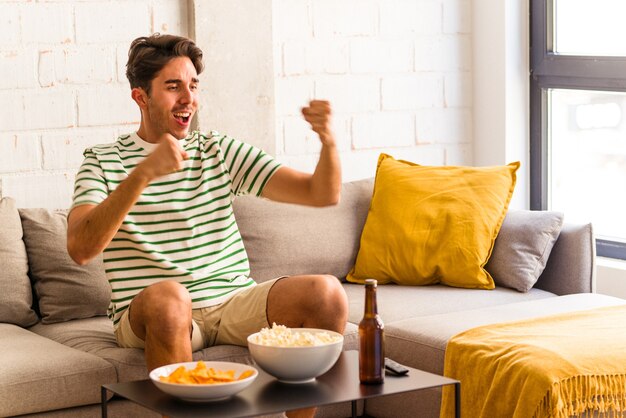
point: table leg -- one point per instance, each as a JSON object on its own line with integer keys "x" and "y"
{"x": 103, "y": 395}
{"x": 457, "y": 400}
{"x": 354, "y": 409}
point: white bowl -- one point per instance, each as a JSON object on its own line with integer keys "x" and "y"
{"x": 297, "y": 364}
{"x": 204, "y": 392}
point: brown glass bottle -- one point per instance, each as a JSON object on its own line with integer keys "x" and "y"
{"x": 371, "y": 339}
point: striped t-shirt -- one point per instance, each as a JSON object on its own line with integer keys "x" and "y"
{"x": 182, "y": 227}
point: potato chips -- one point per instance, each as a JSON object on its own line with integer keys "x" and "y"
{"x": 203, "y": 375}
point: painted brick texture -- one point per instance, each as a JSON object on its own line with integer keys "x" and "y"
{"x": 63, "y": 87}
{"x": 398, "y": 73}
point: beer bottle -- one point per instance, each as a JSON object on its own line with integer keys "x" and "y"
{"x": 371, "y": 339}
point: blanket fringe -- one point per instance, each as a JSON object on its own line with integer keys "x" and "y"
{"x": 571, "y": 397}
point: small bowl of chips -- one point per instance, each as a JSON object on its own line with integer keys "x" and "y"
{"x": 203, "y": 381}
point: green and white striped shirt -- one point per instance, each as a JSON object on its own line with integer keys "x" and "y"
{"x": 182, "y": 227}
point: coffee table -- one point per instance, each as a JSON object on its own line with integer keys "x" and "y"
{"x": 269, "y": 396}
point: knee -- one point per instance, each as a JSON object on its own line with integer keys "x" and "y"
{"x": 169, "y": 302}
{"x": 330, "y": 295}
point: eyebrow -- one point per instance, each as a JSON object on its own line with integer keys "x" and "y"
{"x": 178, "y": 80}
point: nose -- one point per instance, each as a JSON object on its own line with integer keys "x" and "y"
{"x": 186, "y": 95}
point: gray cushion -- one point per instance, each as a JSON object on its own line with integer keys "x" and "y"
{"x": 37, "y": 374}
{"x": 522, "y": 247}
{"x": 283, "y": 239}
{"x": 64, "y": 289}
{"x": 396, "y": 302}
{"x": 16, "y": 295}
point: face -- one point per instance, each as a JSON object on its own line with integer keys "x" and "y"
{"x": 172, "y": 102}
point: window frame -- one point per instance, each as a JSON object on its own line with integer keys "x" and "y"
{"x": 550, "y": 70}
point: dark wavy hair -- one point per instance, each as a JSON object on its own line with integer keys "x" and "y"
{"x": 149, "y": 54}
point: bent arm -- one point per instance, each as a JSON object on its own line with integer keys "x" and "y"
{"x": 323, "y": 187}
{"x": 90, "y": 228}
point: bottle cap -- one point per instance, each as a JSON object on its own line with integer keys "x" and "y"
{"x": 371, "y": 282}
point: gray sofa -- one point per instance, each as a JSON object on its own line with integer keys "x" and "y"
{"x": 57, "y": 346}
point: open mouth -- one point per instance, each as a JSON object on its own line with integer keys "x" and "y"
{"x": 182, "y": 117}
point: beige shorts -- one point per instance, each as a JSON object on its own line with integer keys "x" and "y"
{"x": 228, "y": 323}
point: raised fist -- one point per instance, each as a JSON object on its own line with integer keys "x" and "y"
{"x": 319, "y": 115}
{"x": 166, "y": 159}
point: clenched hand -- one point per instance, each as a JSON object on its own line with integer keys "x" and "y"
{"x": 166, "y": 159}
{"x": 319, "y": 115}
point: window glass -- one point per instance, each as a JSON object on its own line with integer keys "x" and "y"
{"x": 590, "y": 27}
{"x": 587, "y": 146}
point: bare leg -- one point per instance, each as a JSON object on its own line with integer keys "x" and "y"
{"x": 315, "y": 301}
{"x": 161, "y": 316}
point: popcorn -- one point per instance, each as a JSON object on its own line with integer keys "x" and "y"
{"x": 281, "y": 336}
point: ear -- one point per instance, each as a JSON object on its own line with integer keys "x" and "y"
{"x": 140, "y": 97}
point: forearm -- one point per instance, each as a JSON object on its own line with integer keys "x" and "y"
{"x": 326, "y": 179}
{"x": 90, "y": 232}
{"x": 323, "y": 187}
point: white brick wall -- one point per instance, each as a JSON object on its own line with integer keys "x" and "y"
{"x": 64, "y": 150}
{"x": 47, "y": 23}
{"x": 121, "y": 109}
{"x": 49, "y": 189}
{"x": 398, "y": 73}
{"x": 10, "y": 25}
{"x": 383, "y": 129}
{"x": 25, "y": 152}
{"x": 349, "y": 93}
{"x": 408, "y": 18}
{"x": 112, "y": 22}
{"x": 333, "y": 18}
{"x": 18, "y": 69}
{"x": 63, "y": 86}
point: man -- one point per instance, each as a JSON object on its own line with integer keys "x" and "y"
{"x": 158, "y": 204}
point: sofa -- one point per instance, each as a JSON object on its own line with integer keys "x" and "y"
{"x": 57, "y": 345}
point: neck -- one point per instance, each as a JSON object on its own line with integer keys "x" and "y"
{"x": 145, "y": 134}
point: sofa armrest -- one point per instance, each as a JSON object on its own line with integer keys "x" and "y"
{"x": 572, "y": 264}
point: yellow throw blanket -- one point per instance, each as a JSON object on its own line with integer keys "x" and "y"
{"x": 555, "y": 366}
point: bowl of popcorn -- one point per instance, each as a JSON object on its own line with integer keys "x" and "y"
{"x": 295, "y": 355}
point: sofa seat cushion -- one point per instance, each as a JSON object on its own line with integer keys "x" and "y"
{"x": 37, "y": 374}
{"x": 402, "y": 302}
{"x": 95, "y": 336}
{"x": 421, "y": 342}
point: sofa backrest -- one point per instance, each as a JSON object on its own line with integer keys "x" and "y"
{"x": 281, "y": 239}
{"x": 571, "y": 267}
{"x": 284, "y": 239}
{"x": 327, "y": 240}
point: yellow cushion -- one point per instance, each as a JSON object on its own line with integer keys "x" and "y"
{"x": 430, "y": 225}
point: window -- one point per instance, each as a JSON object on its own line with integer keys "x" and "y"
{"x": 578, "y": 115}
